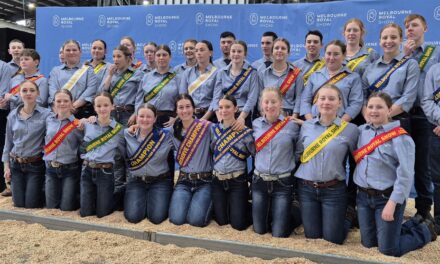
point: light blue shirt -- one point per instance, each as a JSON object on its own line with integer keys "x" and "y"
{"x": 43, "y": 88}
{"x": 389, "y": 165}
{"x": 102, "y": 72}
{"x": 128, "y": 91}
{"x": 260, "y": 64}
{"x": 181, "y": 67}
{"x": 13, "y": 68}
{"x": 5, "y": 78}
{"x": 220, "y": 63}
{"x": 304, "y": 64}
{"x": 432, "y": 83}
{"x": 372, "y": 56}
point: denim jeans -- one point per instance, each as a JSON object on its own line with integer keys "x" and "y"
{"x": 27, "y": 181}
{"x": 3, "y": 119}
{"x": 149, "y": 200}
{"x": 323, "y": 211}
{"x": 271, "y": 206}
{"x": 392, "y": 238}
{"x": 62, "y": 187}
{"x": 191, "y": 203}
{"x": 434, "y": 169}
{"x": 230, "y": 201}
{"x": 96, "y": 192}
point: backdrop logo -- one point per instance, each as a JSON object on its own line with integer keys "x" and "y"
{"x": 149, "y": 19}
{"x": 253, "y": 19}
{"x": 437, "y": 13}
{"x": 102, "y": 20}
{"x": 371, "y": 15}
{"x": 173, "y": 46}
{"x": 56, "y": 20}
{"x": 310, "y": 18}
{"x": 200, "y": 18}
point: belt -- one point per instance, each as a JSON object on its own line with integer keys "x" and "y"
{"x": 320, "y": 185}
{"x": 25, "y": 159}
{"x": 150, "y": 179}
{"x": 166, "y": 113}
{"x": 94, "y": 165}
{"x": 124, "y": 108}
{"x": 271, "y": 177}
{"x": 228, "y": 176}
{"x": 199, "y": 111}
{"x": 374, "y": 192}
{"x": 195, "y": 176}
{"x": 56, "y": 164}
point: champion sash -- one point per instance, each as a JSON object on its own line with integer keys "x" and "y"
{"x": 200, "y": 80}
{"x": 124, "y": 78}
{"x": 98, "y": 68}
{"x": 59, "y": 137}
{"x": 316, "y": 67}
{"x": 75, "y": 77}
{"x": 102, "y": 139}
{"x": 290, "y": 78}
{"x": 14, "y": 90}
{"x": 264, "y": 139}
{"x": 137, "y": 65}
{"x": 425, "y": 57}
{"x": 378, "y": 140}
{"x": 437, "y": 95}
{"x": 238, "y": 82}
{"x": 225, "y": 141}
{"x": 380, "y": 83}
{"x": 333, "y": 80}
{"x": 319, "y": 143}
{"x": 151, "y": 94}
{"x": 191, "y": 142}
{"x": 146, "y": 150}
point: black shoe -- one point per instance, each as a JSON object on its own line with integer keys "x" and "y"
{"x": 432, "y": 229}
{"x": 418, "y": 218}
{"x": 351, "y": 216}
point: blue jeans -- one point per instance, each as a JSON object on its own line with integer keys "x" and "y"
{"x": 392, "y": 238}
{"x": 271, "y": 206}
{"x": 96, "y": 192}
{"x": 62, "y": 187}
{"x": 230, "y": 200}
{"x": 191, "y": 203}
{"x": 27, "y": 181}
{"x": 323, "y": 211}
{"x": 149, "y": 200}
{"x": 434, "y": 169}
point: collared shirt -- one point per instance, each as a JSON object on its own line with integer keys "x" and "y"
{"x": 14, "y": 68}
{"x": 389, "y": 165}
{"x": 25, "y": 137}
{"x": 43, "y": 88}
{"x": 5, "y": 78}
{"x": 67, "y": 151}
{"x": 430, "y": 107}
{"x": 329, "y": 163}
{"x": 145, "y": 68}
{"x": 292, "y": 99}
{"x": 278, "y": 156}
{"x": 260, "y": 64}
{"x": 246, "y": 95}
{"x": 350, "y": 87}
{"x": 102, "y": 72}
{"x": 220, "y": 63}
{"x": 158, "y": 164}
{"x": 203, "y": 95}
{"x": 84, "y": 89}
{"x": 106, "y": 152}
{"x": 165, "y": 99}
{"x": 227, "y": 162}
{"x": 202, "y": 158}
{"x": 304, "y": 64}
{"x": 128, "y": 91}
{"x": 181, "y": 67}
{"x": 402, "y": 84}
{"x": 372, "y": 55}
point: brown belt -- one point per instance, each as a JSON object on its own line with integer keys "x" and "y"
{"x": 374, "y": 192}
{"x": 150, "y": 179}
{"x": 26, "y": 159}
{"x": 320, "y": 185}
{"x": 56, "y": 164}
{"x": 195, "y": 176}
{"x": 94, "y": 165}
{"x": 124, "y": 108}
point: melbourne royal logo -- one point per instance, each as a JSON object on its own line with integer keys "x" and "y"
{"x": 200, "y": 18}
{"x": 66, "y": 21}
{"x": 371, "y": 15}
{"x": 437, "y": 13}
{"x": 173, "y": 46}
{"x": 149, "y": 19}
{"x": 160, "y": 20}
{"x": 253, "y": 19}
{"x": 102, "y": 20}
{"x": 56, "y": 20}
{"x": 310, "y": 18}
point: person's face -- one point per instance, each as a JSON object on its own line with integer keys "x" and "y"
{"x": 98, "y": 50}
{"x": 63, "y": 104}
{"x": 237, "y": 53}
{"x": 27, "y": 63}
{"x": 280, "y": 51}
{"x": 145, "y": 118}
{"x": 120, "y": 60}
{"x": 61, "y": 55}
{"x": 103, "y": 106}
{"x": 189, "y": 50}
{"x": 271, "y": 104}
{"x": 15, "y": 49}
{"x": 352, "y": 33}
{"x": 29, "y": 93}
{"x": 313, "y": 45}
{"x": 266, "y": 45}
{"x": 72, "y": 54}
{"x": 162, "y": 58}
{"x": 333, "y": 57}
{"x": 128, "y": 44}
{"x": 225, "y": 45}
{"x": 184, "y": 110}
{"x": 377, "y": 111}
{"x": 226, "y": 109}
{"x": 390, "y": 40}
{"x": 328, "y": 102}
{"x": 203, "y": 54}
{"x": 415, "y": 29}
{"x": 149, "y": 53}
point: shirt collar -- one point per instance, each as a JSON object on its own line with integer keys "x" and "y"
{"x": 387, "y": 127}
{"x": 280, "y": 118}
{"x": 337, "y": 121}
{"x": 397, "y": 58}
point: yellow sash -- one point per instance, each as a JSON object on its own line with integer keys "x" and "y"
{"x": 98, "y": 68}
{"x": 316, "y": 67}
{"x": 200, "y": 80}
{"x": 75, "y": 77}
{"x": 318, "y": 144}
{"x": 425, "y": 57}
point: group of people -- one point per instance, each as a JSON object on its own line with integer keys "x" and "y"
{"x": 342, "y": 136}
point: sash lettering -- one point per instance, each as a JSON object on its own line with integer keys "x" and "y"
{"x": 124, "y": 78}
{"x": 289, "y": 80}
{"x": 191, "y": 142}
{"x": 426, "y": 56}
{"x": 226, "y": 140}
{"x": 238, "y": 82}
{"x": 146, "y": 150}
{"x": 382, "y": 82}
{"x": 333, "y": 80}
{"x": 151, "y": 94}
{"x": 102, "y": 139}
{"x": 316, "y": 67}
{"x": 264, "y": 139}
{"x": 59, "y": 137}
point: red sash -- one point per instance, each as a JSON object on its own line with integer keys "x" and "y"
{"x": 60, "y": 136}
{"x": 137, "y": 65}
{"x": 378, "y": 140}
{"x": 290, "y": 78}
{"x": 262, "y": 141}
{"x": 14, "y": 90}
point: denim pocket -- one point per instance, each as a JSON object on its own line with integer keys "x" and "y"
{"x": 107, "y": 171}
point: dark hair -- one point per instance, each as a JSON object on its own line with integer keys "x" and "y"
{"x": 243, "y": 44}
{"x": 147, "y": 106}
{"x": 105, "y": 94}
{"x": 383, "y": 96}
{"x": 209, "y": 45}
{"x": 151, "y": 43}
{"x": 124, "y": 50}
{"x": 103, "y": 43}
{"x": 227, "y": 34}
{"x": 316, "y": 33}
{"x": 71, "y": 41}
{"x": 231, "y": 98}
{"x": 64, "y": 91}
{"x": 392, "y": 25}
{"x": 178, "y": 125}
{"x": 270, "y": 34}
{"x": 165, "y": 48}
{"x": 282, "y": 40}
{"x": 29, "y": 81}
{"x": 31, "y": 53}
{"x": 338, "y": 43}
{"x": 193, "y": 41}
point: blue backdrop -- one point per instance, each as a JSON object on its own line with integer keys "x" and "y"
{"x": 173, "y": 24}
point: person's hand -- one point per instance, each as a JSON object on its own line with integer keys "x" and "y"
{"x": 409, "y": 47}
{"x": 7, "y": 174}
{"x": 238, "y": 125}
{"x": 133, "y": 129}
{"x": 112, "y": 70}
{"x": 388, "y": 211}
{"x": 170, "y": 122}
{"x": 132, "y": 120}
{"x": 437, "y": 130}
{"x": 296, "y": 120}
{"x": 8, "y": 97}
{"x": 308, "y": 116}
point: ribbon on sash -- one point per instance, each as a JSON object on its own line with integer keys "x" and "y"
{"x": 191, "y": 142}
{"x": 378, "y": 140}
{"x": 289, "y": 80}
{"x": 102, "y": 139}
{"x": 316, "y": 67}
{"x": 14, "y": 90}
{"x": 333, "y": 80}
{"x": 151, "y": 94}
{"x": 146, "y": 150}
{"x": 75, "y": 77}
{"x": 267, "y": 136}
{"x": 124, "y": 78}
{"x": 238, "y": 82}
{"x": 426, "y": 56}
{"x": 200, "y": 80}
{"x": 59, "y": 137}
{"x": 319, "y": 143}
{"x": 226, "y": 140}
{"x": 99, "y": 67}
{"x": 383, "y": 80}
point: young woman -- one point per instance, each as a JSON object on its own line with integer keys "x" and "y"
{"x": 191, "y": 201}
{"x": 22, "y": 154}
{"x": 230, "y": 189}
{"x": 283, "y": 75}
{"x": 189, "y": 52}
{"x": 98, "y": 51}
{"x": 199, "y": 81}
{"x": 334, "y": 72}
{"x": 272, "y": 184}
{"x": 324, "y": 144}
{"x": 150, "y": 180}
{"x": 150, "y": 49}
{"x": 384, "y": 175}
{"x": 128, "y": 42}
{"x": 62, "y": 142}
{"x": 102, "y": 139}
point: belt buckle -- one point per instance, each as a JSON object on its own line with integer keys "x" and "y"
{"x": 19, "y": 160}
{"x": 315, "y": 185}
{"x": 91, "y": 164}
{"x": 55, "y": 164}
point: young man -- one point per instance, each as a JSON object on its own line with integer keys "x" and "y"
{"x": 226, "y": 40}
{"x": 15, "y": 49}
{"x": 312, "y": 61}
{"x": 5, "y": 78}
{"x": 266, "y": 47}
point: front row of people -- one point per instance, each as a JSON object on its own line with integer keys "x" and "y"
{"x": 212, "y": 161}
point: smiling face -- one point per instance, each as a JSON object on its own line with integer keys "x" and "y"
{"x": 145, "y": 118}
{"x": 15, "y": 50}
{"x": 271, "y": 104}
{"x": 377, "y": 111}
{"x": 103, "y": 106}
{"x": 280, "y": 51}
{"x": 226, "y": 109}
{"x": 238, "y": 53}
{"x": 63, "y": 103}
{"x": 328, "y": 102}
{"x": 185, "y": 109}
{"x": 390, "y": 40}
{"x": 334, "y": 57}
{"x": 189, "y": 50}
{"x": 313, "y": 45}
{"x": 98, "y": 50}
{"x": 72, "y": 53}
{"x": 128, "y": 44}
